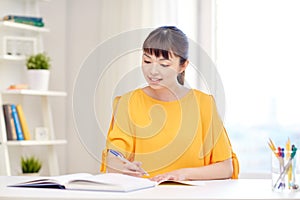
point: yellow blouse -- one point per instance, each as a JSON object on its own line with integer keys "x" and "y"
{"x": 166, "y": 136}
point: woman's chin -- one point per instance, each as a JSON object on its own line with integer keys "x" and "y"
{"x": 155, "y": 86}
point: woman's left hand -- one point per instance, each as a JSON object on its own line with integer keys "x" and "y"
{"x": 171, "y": 176}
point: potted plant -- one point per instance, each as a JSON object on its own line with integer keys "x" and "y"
{"x": 38, "y": 73}
{"x": 30, "y": 165}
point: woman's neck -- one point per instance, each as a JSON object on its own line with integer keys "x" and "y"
{"x": 166, "y": 94}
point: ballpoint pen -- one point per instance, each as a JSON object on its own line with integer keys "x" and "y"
{"x": 293, "y": 182}
{"x": 288, "y": 154}
{"x": 121, "y": 157}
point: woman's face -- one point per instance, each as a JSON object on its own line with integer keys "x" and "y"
{"x": 160, "y": 72}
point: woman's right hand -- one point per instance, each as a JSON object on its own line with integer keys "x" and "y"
{"x": 115, "y": 165}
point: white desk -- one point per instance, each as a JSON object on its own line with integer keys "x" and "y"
{"x": 223, "y": 189}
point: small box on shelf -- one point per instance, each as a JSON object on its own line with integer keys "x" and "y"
{"x": 41, "y": 133}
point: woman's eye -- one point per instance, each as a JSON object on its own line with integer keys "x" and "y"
{"x": 164, "y": 65}
{"x": 147, "y": 62}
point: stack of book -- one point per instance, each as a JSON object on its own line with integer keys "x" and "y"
{"x": 29, "y": 20}
{"x": 15, "y": 122}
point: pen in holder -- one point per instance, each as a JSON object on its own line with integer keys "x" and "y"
{"x": 284, "y": 168}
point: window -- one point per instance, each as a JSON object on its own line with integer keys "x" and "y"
{"x": 258, "y": 48}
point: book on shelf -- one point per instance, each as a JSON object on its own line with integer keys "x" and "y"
{"x": 29, "y": 20}
{"x": 32, "y": 23}
{"x": 15, "y": 116}
{"x": 23, "y": 122}
{"x": 102, "y": 182}
{"x": 9, "y": 122}
{"x": 23, "y": 17}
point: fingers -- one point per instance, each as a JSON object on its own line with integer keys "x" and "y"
{"x": 163, "y": 177}
{"x": 134, "y": 168}
{"x": 115, "y": 165}
{"x": 168, "y": 177}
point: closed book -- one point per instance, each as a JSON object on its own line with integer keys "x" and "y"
{"x": 21, "y": 17}
{"x": 9, "y": 122}
{"x": 17, "y": 122}
{"x": 23, "y": 122}
{"x": 28, "y": 22}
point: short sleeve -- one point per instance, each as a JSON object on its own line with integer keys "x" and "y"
{"x": 223, "y": 148}
{"x": 119, "y": 137}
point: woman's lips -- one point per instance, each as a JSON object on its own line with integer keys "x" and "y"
{"x": 154, "y": 80}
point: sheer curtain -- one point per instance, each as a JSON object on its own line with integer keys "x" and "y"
{"x": 258, "y": 47}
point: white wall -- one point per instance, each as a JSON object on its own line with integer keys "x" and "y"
{"x": 82, "y": 36}
{"x": 54, "y": 14}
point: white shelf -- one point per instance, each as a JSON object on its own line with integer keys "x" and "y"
{"x": 12, "y": 58}
{"x": 23, "y": 26}
{"x": 22, "y": 34}
{"x": 35, "y": 142}
{"x": 35, "y": 92}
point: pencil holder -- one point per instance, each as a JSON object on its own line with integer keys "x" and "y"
{"x": 285, "y": 171}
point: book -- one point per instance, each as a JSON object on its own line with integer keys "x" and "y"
{"x": 23, "y": 122}
{"x": 9, "y": 122}
{"x": 84, "y": 181}
{"x": 28, "y": 22}
{"x": 17, "y": 122}
{"x": 113, "y": 182}
{"x": 21, "y": 17}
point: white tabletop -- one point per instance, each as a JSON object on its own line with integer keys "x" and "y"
{"x": 217, "y": 189}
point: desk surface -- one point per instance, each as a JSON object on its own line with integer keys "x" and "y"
{"x": 218, "y": 189}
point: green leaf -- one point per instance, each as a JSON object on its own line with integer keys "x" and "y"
{"x": 30, "y": 164}
{"x": 38, "y": 61}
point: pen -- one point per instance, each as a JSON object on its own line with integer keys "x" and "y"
{"x": 288, "y": 149}
{"x": 121, "y": 157}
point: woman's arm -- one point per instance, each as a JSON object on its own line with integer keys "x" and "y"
{"x": 220, "y": 170}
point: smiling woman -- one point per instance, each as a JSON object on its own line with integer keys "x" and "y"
{"x": 172, "y": 131}
{"x": 122, "y": 73}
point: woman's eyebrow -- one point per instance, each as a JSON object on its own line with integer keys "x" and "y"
{"x": 147, "y": 55}
{"x": 165, "y": 59}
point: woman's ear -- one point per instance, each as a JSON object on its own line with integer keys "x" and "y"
{"x": 184, "y": 66}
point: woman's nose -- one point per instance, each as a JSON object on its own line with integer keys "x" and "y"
{"x": 154, "y": 68}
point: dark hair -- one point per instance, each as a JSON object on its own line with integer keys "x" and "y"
{"x": 166, "y": 40}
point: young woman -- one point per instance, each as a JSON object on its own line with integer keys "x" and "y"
{"x": 166, "y": 129}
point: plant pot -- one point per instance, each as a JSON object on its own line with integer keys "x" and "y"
{"x": 38, "y": 79}
{"x": 30, "y": 174}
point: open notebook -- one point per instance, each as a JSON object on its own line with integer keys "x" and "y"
{"x": 101, "y": 182}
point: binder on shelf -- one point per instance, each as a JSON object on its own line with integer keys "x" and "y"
{"x": 9, "y": 122}
{"x": 17, "y": 122}
{"x": 23, "y": 122}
